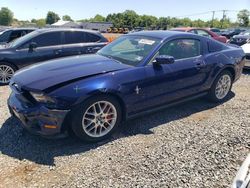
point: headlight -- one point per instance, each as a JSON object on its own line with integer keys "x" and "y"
{"x": 248, "y": 40}
{"x": 40, "y": 97}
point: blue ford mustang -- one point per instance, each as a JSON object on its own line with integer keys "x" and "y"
{"x": 91, "y": 95}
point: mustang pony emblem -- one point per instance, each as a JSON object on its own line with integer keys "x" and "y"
{"x": 137, "y": 90}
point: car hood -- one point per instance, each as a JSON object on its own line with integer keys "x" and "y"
{"x": 51, "y": 73}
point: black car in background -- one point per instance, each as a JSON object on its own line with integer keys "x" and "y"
{"x": 9, "y": 35}
{"x": 231, "y": 32}
{"x": 46, "y": 44}
{"x": 241, "y": 39}
{"x": 216, "y": 30}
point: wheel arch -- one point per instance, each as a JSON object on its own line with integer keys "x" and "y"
{"x": 231, "y": 70}
{"x": 66, "y": 124}
{"x": 6, "y": 61}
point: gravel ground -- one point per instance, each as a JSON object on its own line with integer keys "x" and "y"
{"x": 196, "y": 144}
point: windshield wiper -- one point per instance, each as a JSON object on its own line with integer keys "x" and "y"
{"x": 110, "y": 57}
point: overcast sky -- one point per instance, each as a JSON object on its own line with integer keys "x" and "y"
{"x": 80, "y": 9}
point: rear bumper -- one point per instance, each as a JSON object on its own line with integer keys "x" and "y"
{"x": 38, "y": 119}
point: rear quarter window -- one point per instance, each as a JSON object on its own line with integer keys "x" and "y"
{"x": 214, "y": 46}
{"x": 92, "y": 37}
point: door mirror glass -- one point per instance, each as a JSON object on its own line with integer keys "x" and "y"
{"x": 32, "y": 46}
{"x": 164, "y": 59}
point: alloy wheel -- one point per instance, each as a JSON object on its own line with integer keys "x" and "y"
{"x": 6, "y": 72}
{"x": 223, "y": 86}
{"x": 99, "y": 119}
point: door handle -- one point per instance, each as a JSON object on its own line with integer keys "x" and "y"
{"x": 93, "y": 49}
{"x": 97, "y": 48}
{"x": 89, "y": 49}
{"x": 200, "y": 65}
{"x": 57, "y": 52}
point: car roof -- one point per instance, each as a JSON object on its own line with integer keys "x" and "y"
{"x": 65, "y": 29}
{"x": 189, "y": 28}
{"x": 161, "y": 34}
{"x": 19, "y": 28}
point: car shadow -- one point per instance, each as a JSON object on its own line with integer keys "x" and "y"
{"x": 18, "y": 143}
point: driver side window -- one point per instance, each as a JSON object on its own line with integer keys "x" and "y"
{"x": 46, "y": 39}
{"x": 181, "y": 48}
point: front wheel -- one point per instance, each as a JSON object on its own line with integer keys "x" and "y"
{"x": 6, "y": 72}
{"x": 97, "y": 118}
{"x": 221, "y": 87}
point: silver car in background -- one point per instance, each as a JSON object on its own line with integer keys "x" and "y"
{"x": 242, "y": 179}
{"x": 246, "y": 49}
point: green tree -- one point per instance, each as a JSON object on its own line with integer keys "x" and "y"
{"x": 149, "y": 22}
{"x": 40, "y": 22}
{"x": 129, "y": 18}
{"x": 186, "y": 22}
{"x": 6, "y": 16}
{"x": 33, "y": 20}
{"x": 52, "y": 17}
{"x": 98, "y": 18}
{"x": 163, "y": 23}
{"x": 66, "y": 18}
{"x": 225, "y": 23}
{"x": 243, "y": 17}
{"x": 117, "y": 19}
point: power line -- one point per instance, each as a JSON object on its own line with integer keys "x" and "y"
{"x": 208, "y": 12}
{"x": 197, "y": 14}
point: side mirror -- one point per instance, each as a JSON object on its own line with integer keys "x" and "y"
{"x": 32, "y": 46}
{"x": 164, "y": 59}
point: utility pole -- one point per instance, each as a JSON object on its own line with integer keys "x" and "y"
{"x": 223, "y": 17}
{"x": 212, "y": 24}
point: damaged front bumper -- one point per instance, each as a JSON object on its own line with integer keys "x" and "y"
{"x": 38, "y": 119}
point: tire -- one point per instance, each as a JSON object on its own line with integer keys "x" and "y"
{"x": 214, "y": 94}
{"x": 7, "y": 70}
{"x": 92, "y": 125}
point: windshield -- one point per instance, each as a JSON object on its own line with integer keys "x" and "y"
{"x": 22, "y": 40}
{"x": 130, "y": 50}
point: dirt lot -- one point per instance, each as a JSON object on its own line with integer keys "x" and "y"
{"x": 196, "y": 144}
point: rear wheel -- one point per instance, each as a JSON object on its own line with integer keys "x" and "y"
{"x": 6, "y": 72}
{"x": 221, "y": 87}
{"x": 97, "y": 118}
